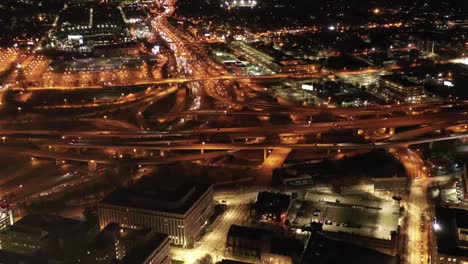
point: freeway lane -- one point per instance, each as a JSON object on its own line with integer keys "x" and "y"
{"x": 240, "y": 146}
{"x": 375, "y": 123}
{"x": 107, "y": 160}
{"x": 347, "y": 111}
{"x": 424, "y": 130}
{"x": 222, "y": 149}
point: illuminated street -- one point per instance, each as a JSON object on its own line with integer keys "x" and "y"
{"x": 236, "y": 131}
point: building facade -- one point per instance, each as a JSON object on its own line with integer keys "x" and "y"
{"x": 271, "y": 207}
{"x": 182, "y": 222}
{"x": 400, "y": 89}
{"x": 118, "y": 245}
{"x": 393, "y": 186}
{"x": 52, "y": 236}
{"x": 6, "y": 218}
{"x": 264, "y": 245}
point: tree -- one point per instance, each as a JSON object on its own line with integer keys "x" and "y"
{"x": 207, "y": 259}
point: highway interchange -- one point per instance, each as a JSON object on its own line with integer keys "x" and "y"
{"x": 204, "y": 91}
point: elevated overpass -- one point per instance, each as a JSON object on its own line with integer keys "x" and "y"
{"x": 218, "y": 150}
{"x": 448, "y": 119}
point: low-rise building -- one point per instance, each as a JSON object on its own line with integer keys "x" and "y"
{"x": 6, "y": 217}
{"x": 263, "y": 244}
{"x": 120, "y": 245}
{"x": 230, "y": 261}
{"x": 180, "y": 211}
{"x": 297, "y": 66}
{"x": 401, "y": 89}
{"x": 52, "y": 236}
{"x": 393, "y": 186}
{"x": 38, "y": 239}
{"x": 321, "y": 248}
{"x": 82, "y": 26}
{"x": 352, "y": 218}
{"x": 451, "y": 236}
{"x": 13, "y": 258}
{"x": 271, "y": 207}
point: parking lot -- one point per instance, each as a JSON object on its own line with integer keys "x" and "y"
{"x": 361, "y": 215}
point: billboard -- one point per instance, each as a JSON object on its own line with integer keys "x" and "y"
{"x": 75, "y": 39}
{"x": 307, "y": 87}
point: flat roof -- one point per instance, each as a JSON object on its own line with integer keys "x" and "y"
{"x": 272, "y": 201}
{"x": 287, "y": 246}
{"x": 449, "y": 220}
{"x": 50, "y": 223}
{"x": 353, "y": 214}
{"x": 399, "y": 80}
{"x": 142, "y": 250}
{"x": 230, "y": 261}
{"x": 249, "y": 232}
{"x": 14, "y": 258}
{"x": 321, "y": 249}
{"x": 172, "y": 199}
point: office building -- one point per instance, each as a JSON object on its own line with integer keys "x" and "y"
{"x": 397, "y": 88}
{"x": 180, "y": 211}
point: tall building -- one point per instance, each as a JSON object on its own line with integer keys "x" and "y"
{"x": 180, "y": 212}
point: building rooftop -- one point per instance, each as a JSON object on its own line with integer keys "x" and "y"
{"x": 399, "y": 80}
{"x": 139, "y": 243}
{"x": 268, "y": 240}
{"x": 13, "y": 258}
{"x": 286, "y": 246}
{"x": 353, "y": 214}
{"x": 272, "y": 201}
{"x": 172, "y": 199}
{"x": 321, "y": 249}
{"x": 448, "y": 241}
{"x": 52, "y": 224}
{"x": 230, "y": 261}
{"x": 114, "y": 231}
{"x": 143, "y": 249}
{"x": 249, "y": 232}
